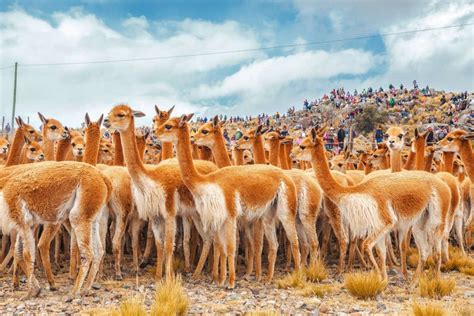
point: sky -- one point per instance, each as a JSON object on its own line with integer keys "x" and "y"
{"x": 243, "y": 83}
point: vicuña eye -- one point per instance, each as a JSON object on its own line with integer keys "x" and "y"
{"x": 400, "y": 136}
{"x": 303, "y": 147}
{"x": 32, "y": 149}
{"x": 53, "y": 127}
{"x": 168, "y": 127}
{"x": 450, "y": 139}
{"x": 205, "y": 132}
{"x": 246, "y": 138}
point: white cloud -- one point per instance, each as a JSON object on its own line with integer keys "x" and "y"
{"x": 244, "y": 83}
{"x": 273, "y": 73}
{"x": 67, "y": 92}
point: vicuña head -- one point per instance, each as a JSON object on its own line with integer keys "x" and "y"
{"x": 173, "y": 129}
{"x": 161, "y": 116}
{"x": 34, "y": 151}
{"x": 4, "y": 145}
{"x": 247, "y": 140}
{"x": 120, "y": 117}
{"x": 28, "y": 131}
{"x": 52, "y": 128}
{"x": 453, "y": 141}
{"x": 395, "y": 138}
{"x": 208, "y": 134}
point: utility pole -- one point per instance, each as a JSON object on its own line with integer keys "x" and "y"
{"x": 14, "y": 97}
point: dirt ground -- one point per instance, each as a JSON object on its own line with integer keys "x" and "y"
{"x": 206, "y": 298}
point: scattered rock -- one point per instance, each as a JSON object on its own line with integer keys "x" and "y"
{"x": 468, "y": 294}
{"x": 323, "y": 308}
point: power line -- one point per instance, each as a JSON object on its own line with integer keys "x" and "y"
{"x": 244, "y": 50}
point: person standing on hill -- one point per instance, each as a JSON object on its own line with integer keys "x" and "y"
{"x": 341, "y": 135}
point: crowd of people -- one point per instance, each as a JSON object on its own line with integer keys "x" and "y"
{"x": 427, "y": 108}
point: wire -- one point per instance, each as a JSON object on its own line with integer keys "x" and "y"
{"x": 244, "y": 50}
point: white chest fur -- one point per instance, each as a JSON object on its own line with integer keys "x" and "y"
{"x": 149, "y": 197}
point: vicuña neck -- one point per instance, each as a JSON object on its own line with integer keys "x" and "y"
{"x": 238, "y": 156}
{"x": 410, "y": 163}
{"x": 420, "y": 155}
{"x": 64, "y": 146}
{"x": 258, "y": 150}
{"x": 395, "y": 161}
{"x": 448, "y": 161}
{"x": 465, "y": 151}
{"x": 205, "y": 153}
{"x": 288, "y": 148}
{"x": 118, "y": 154}
{"x": 324, "y": 176}
{"x": 16, "y": 148}
{"x": 167, "y": 150}
{"x": 368, "y": 168}
{"x": 92, "y": 139}
{"x": 219, "y": 151}
{"x": 362, "y": 161}
{"x": 429, "y": 161}
{"x": 187, "y": 168}
{"x": 274, "y": 152}
{"x": 48, "y": 146}
{"x": 283, "y": 160}
{"x": 130, "y": 151}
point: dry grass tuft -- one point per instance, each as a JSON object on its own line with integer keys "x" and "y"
{"x": 429, "y": 309}
{"x": 170, "y": 298}
{"x": 296, "y": 279}
{"x": 316, "y": 272}
{"x": 467, "y": 271}
{"x": 457, "y": 261}
{"x": 303, "y": 280}
{"x": 465, "y": 311}
{"x": 312, "y": 289}
{"x": 262, "y": 313}
{"x": 412, "y": 259}
{"x": 436, "y": 287}
{"x": 132, "y": 307}
{"x": 364, "y": 285}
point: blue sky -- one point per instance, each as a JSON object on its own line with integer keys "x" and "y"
{"x": 40, "y": 31}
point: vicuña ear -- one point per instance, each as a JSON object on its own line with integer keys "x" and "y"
{"x": 147, "y": 133}
{"x": 20, "y": 121}
{"x": 416, "y": 132}
{"x": 322, "y": 130}
{"x": 215, "y": 121}
{"x": 87, "y": 119}
{"x": 138, "y": 114}
{"x": 222, "y": 123}
{"x": 468, "y": 136}
{"x": 171, "y": 110}
{"x": 101, "y": 118}
{"x": 27, "y": 141}
{"x": 42, "y": 118}
{"x": 157, "y": 110}
{"x": 314, "y": 134}
{"x": 184, "y": 119}
{"x": 258, "y": 131}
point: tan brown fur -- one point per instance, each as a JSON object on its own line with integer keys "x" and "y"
{"x": 235, "y": 185}
{"x": 400, "y": 190}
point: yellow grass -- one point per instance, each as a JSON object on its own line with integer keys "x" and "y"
{"x": 457, "y": 261}
{"x": 436, "y": 287}
{"x": 316, "y": 272}
{"x": 170, "y": 298}
{"x": 296, "y": 279}
{"x": 132, "y": 307}
{"x": 311, "y": 289}
{"x": 429, "y": 309}
{"x": 303, "y": 280}
{"x": 467, "y": 271}
{"x": 262, "y": 313}
{"x": 364, "y": 285}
